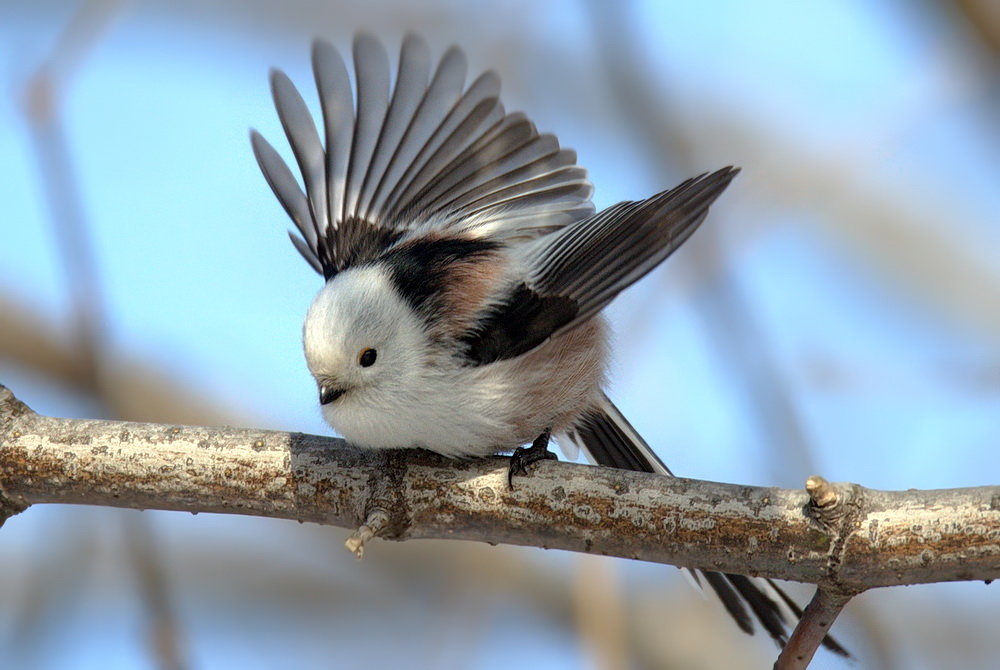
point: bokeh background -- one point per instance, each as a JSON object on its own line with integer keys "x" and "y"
{"x": 839, "y": 313}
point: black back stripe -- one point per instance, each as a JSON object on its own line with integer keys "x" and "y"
{"x": 357, "y": 241}
{"x": 420, "y": 269}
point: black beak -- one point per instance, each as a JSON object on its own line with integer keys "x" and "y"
{"x": 328, "y": 394}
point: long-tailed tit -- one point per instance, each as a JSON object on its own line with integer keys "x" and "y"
{"x": 466, "y": 269}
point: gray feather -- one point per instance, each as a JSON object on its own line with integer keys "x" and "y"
{"x": 552, "y": 174}
{"x": 479, "y": 156}
{"x": 433, "y": 102}
{"x": 285, "y": 188}
{"x": 414, "y": 71}
{"x": 452, "y": 139}
{"x": 307, "y": 253}
{"x": 523, "y": 163}
{"x": 443, "y": 109}
{"x": 593, "y": 260}
{"x": 337, "y": 104}
{"x": 371, "y": 69}
{"x": 415, "y": 153}
{"x": 302, "y": 136}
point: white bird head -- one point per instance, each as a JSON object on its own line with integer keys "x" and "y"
{"x": 362, "y": 342}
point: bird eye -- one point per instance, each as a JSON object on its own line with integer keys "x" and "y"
{"x": 367, "y": 357}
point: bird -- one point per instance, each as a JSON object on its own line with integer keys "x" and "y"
{"x": 465, "y": 269}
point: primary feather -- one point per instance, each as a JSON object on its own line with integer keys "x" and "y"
{"x": 423, "y": 154}
{"x": 462, "y": 247}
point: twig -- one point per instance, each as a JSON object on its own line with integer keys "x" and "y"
{"x": 377, "y": 520}
{"x": 815, "y": 623}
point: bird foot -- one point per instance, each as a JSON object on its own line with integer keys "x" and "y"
{"x": 522, "y": 458}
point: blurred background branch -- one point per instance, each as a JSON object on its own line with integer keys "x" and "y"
{"x": 45, "y": 91}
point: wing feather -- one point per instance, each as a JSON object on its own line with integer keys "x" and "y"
{"x": 303, "y": 248}
{"x": 301, "y": 131}
{"x": 337, "y": 104}
{"x": 566, "y": 277}
{"x": 436, "y": 102}
{"x": 484, "y": 170}
{"x": 452, "y": 137}
{"x": 424, "y": 151}
{"x": 371, "y": 71}
{"x": 482, "y": 152}
{"x": 591, "y": 261}
{"x": 286, "y": 189}
{"x": 414, "y": 71}
{"x": 563, "y": 186}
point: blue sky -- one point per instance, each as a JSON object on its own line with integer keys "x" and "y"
{"x": 894, "y": 388}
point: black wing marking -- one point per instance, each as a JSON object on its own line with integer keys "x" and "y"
{"x": 575, "y": 271}
{"x": 425, "y": 151}
{"x": 611, "y": 440}
{"x": 517, "y": 326}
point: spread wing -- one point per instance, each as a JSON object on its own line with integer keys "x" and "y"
{"x": 571, "y": 274}
{"x": 427, "y": 151}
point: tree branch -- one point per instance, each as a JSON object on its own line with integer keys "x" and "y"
{"x": 812, "y": 628}
{"x": 859, "y": 539}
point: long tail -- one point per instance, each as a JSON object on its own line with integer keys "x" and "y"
{"x": 611, "y": 440}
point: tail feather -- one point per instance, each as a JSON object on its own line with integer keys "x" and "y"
{"x": 730, "y": 598}
{"x": 610, "y": 440}
{"x": 767, "y": 611}
{"x": 607, "y": 436}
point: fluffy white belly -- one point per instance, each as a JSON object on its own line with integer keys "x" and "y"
{"x": 457, "y": 410}
{"x": 458, "y": 414}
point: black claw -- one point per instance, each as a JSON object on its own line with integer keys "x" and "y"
{"x": 522, "y": 458}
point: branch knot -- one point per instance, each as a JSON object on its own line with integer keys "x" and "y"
{"x": 9, "y": 507}
{"x": 11, "y": 409}
{"x": 837, "y": 508}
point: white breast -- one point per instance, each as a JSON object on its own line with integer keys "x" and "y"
{"x": 457, "y": 410}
